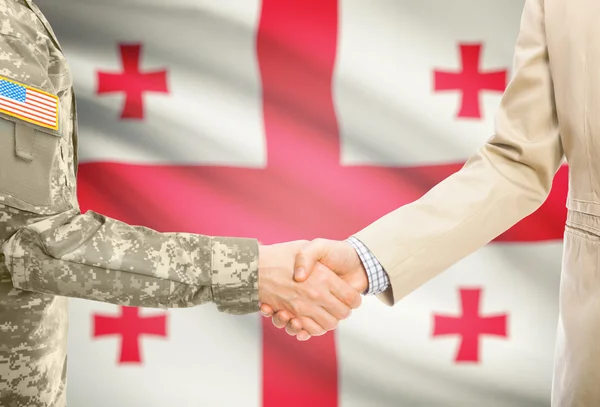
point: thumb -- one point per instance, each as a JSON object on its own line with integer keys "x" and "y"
{"x": 307, "y": 257}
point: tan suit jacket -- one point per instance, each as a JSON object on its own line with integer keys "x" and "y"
{"x": 550, "y": 110}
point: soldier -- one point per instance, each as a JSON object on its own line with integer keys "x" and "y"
{"x": 50, "y": 250}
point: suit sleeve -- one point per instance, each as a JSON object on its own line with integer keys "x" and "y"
{"x": 507, "y": 179}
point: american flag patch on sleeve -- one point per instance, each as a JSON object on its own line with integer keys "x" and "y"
{"x": 29, "y": 104}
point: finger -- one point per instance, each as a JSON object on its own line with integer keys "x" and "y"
{"x": 323, "y": 306}
{"x": 307, "y": 257}
{"x": 313, "y": 328}
{"x": 266, "y": 310}
{"x": 294, "y": 327}
{"x": 340, "y": 299}
{"x": 323, "y": 318}
{"x": 303, "y": 336}
{"x": 335, "y": 309}
{"x": 344, "y": 292}
{"x": 281, "y": 319}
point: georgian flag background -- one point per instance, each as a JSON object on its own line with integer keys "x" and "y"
{"x": 296, "y": 119}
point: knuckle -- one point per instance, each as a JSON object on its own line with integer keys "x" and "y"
{"x": 331, "y": 325}
{"x": 312, "y": 328}
{"x": 313, "y": 331}
{"x": 324, "y": 278}
{"x": 314, "y": 294}
{"x": 358, "y": 300}
{"x": 298, "y": 307}
{"x": 349, "y": 298}
{"x": 303, "y": 252}
{"x": 345, "y": 312}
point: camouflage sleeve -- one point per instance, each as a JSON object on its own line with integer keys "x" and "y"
{"x": 94, "y": 257}
{"x": 48, "y": 245}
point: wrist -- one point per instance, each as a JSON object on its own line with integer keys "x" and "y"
{"x": 234, "y": 274}
{"x": 362, "y": 279}
{"x": 263, "y": 273}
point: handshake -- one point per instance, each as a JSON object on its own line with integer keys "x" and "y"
{"x": 308, "y": 287}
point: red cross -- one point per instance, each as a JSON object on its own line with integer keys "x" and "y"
{"x": 470, "y": 325}
{"x": 130, "y": 326}
{"x": 303, "y": 192}
{"x": 132, "y": 81}
{"x": 470, "y": 81}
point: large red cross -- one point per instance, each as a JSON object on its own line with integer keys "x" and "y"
{"x": 470, "y": 81}
{"x": 132, "y": 82}
{"x": 469, "y": 325}
{"x": 303, "y": 192}
{"x": 130, "y": 326}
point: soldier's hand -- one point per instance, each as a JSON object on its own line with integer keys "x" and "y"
{"x": 318, "y": 304}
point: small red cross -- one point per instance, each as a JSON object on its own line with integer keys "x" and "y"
{"x": 133, "y": 82}
{"x": 470, "y": 81}
{"x": 470, "y": 325}
{"x": 130, "y": 326}
{"x": 303, "y": 192}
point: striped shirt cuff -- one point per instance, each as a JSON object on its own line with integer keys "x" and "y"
{"x": 379, "y": 281}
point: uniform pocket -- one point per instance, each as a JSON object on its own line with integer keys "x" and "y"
{"x": 28, "y": 157}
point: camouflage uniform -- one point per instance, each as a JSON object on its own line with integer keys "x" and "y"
{"x": 50, "y": 250}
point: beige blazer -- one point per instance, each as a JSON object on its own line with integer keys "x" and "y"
{"x": 550, "y": 110}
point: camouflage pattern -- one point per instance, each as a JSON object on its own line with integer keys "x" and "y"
{"x": 50, "y": 250}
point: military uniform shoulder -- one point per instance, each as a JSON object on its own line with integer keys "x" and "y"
{"x": 28, "y": 52}
{"x": 18, "y": 20}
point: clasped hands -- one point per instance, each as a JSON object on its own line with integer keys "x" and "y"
{"x": 308, "y": 287}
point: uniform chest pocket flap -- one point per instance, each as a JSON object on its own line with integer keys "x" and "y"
{"x": 28, "y": 157}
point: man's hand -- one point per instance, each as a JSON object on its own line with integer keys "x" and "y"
{"x": 318, "y": 303}
{"x": 338, "y": 256}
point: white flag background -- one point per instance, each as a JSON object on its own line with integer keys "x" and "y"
{"x": 287, "y": 119}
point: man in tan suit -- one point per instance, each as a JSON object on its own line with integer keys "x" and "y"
{"x": 550, "y": 109}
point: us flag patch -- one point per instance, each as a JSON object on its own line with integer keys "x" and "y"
{"x": 29, "y": 104}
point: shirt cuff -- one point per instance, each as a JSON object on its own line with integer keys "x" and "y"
{"x": 378, "y": 279}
